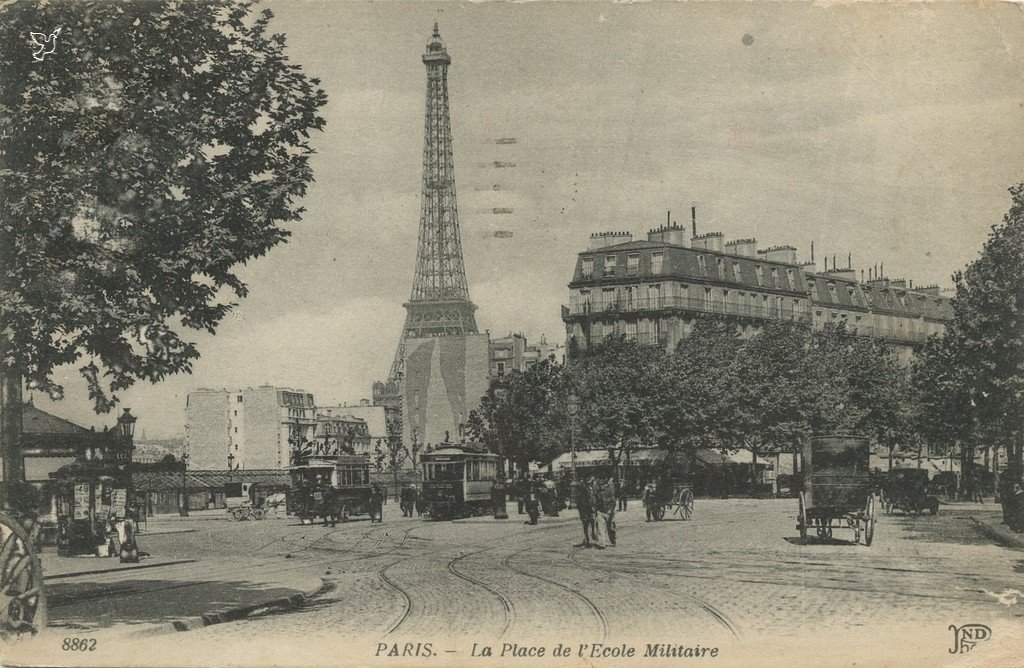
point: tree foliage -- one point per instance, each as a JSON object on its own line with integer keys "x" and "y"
{"x": 766, "y": 393}
{"x": 161, "y": 145}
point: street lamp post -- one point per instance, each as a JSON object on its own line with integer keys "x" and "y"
{"x": 231, "y": 465}
{"x": 572, "y": 407}
{"x": 183, "y": 511}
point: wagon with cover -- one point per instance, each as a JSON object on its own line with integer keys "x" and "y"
{"x": 837, "y": 492}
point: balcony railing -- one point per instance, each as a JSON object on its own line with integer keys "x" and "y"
{"x": 761, "y": 312}
{"x": 686, "y": 304}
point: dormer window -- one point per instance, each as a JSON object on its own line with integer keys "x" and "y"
{"x": 587, "y": 268}
{"x": 760, "y": 274}
{"x": 610, "y": 263}
{"x": 632, "y": 264}
{"x": 702, "y": 265}
{"x": 789, "y": 279}
{"x": 775, "y": 277}
{"x": 656, "y": 261}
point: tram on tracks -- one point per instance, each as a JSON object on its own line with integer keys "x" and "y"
{"x": 331, "y": 488}
{"x": 457, "y": 480}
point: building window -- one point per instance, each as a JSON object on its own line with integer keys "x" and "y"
{"x": 707, "y": 299}
{"x": 587, "y": 268}
{"x": 632, "y": 264}
{"x": 760, "y": 274}
{"x": 832, "y": 292}
{"x": 789, "y": 279}
{"x": 631, "y": 330}
{"x": 654, "y": 293}
{"x": 501, "y": 368}
{"x": 238, "y": 399}
{"x": 608, "y": 295}
{"x": 236, "y": 413}
{"x": 656, "y": 261}
{"x": 610, "y": 262}
{"x": 608, "y": 328}
{"x": 702, "y": 265}
{"x": 719, "y": 265}
{"x": 775, "y": 277}
{"x": 236, "y": 430}
{"x": 737, "y": 274}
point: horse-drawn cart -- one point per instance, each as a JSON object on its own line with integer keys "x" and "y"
{"x": 678, "y": 497}
{"x": 837, "y": 490}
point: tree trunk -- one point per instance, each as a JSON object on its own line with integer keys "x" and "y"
{"x": 13, "y": 465}
{"x": 753, "y": 473}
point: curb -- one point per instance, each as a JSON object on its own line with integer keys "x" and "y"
{"x": 1006, "y": 538}
{"x": 232, "y": 614}
{"x": 101, "y": 571}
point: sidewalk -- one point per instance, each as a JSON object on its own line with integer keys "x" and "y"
{"x": 991, "y": 525}
{"x": 156, "y": 597}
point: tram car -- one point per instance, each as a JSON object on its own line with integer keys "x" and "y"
{"x": 330, "y": 489}
{"x": 457, "y": 480}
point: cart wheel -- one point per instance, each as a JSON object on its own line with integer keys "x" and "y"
{"x": 686, "y": 504}
{"x": 802, "y": 520}
{"x": 22, "y": 599}
{"x": 869, "y": 521}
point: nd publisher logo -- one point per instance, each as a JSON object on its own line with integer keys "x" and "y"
{"x": 967, "y": 637}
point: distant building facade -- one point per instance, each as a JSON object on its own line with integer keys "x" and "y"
{"x": 250, "y": 428}
{"x": 336, "y": 434}
{"x": 514, "y": 353}
{"x": 652, "y": 291}
{"x": 375, "y": 417}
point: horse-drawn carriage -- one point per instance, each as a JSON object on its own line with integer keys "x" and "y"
{"x": 838, "y": 492}
{"x": 907, "y": 490}
{"x": 245, "y": 501}
{"x": 331, "y": 489}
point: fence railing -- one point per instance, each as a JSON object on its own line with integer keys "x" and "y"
{"x": 776, "y": 311}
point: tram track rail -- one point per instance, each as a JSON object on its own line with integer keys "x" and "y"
{"x": 720, "y": 618}
{"x": 506, "y": 602}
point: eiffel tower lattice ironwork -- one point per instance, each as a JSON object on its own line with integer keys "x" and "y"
{"x": 440, "y": 303}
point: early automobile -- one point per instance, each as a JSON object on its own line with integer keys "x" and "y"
{"x": 907, "y": 490}
{"x": 331, "y": 488}
{"x": 838, "y": 492}
{"x": 457, "y": 480}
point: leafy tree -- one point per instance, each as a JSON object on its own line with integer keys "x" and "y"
{"x": 986, "y": 337}
{"x": 523, "y": 418}
{"x": 771, "y": 391}
{"x": 697, "y": 390}
{"x": 619, "y": 396}
{"x": 161, "y": 145}
{"x": 300, "y": 451}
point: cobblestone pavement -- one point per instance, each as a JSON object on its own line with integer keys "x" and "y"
{"x": 733, "y": 575}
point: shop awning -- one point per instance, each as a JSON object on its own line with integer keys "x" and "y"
{"x": 639, "y": 457}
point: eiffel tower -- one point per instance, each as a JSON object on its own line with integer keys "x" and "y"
{"x": 439, "y": 304}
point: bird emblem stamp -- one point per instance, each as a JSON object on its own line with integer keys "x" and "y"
{"x": 44, "y": 44}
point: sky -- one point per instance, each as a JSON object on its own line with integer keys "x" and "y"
{"x": 888, "y": 131}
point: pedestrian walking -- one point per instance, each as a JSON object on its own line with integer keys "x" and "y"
{"x": 376, "y": 504}
{"x": 585, "y": 507}
{"x": 621, "y": 494}
{"x": 648, "y": 498}
{"x": 608, "y": 504}
{"x": 521, "y": 491}
{"x": 533, "y": 502}
{"x": 597, "y": 496}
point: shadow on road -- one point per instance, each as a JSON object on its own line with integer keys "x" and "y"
{"x": 83, "y": 605}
